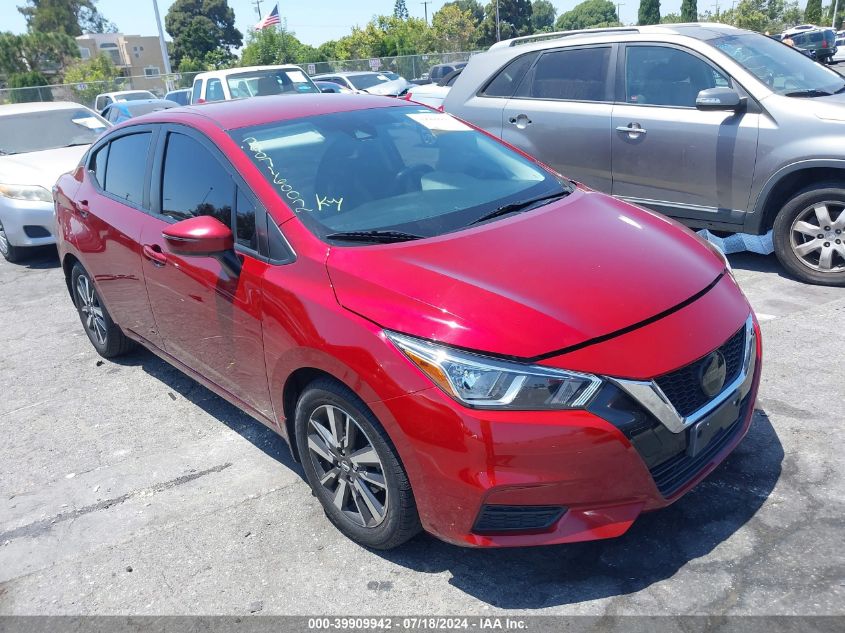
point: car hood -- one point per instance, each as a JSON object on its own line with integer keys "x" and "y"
{"x": 392, "y": 88}
{"x": 40, "y": 168}
{"x": 580, "y": 268}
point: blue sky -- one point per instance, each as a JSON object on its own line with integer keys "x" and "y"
{"x": 314, "y": 21}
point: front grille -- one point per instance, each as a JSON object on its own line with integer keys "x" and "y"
{"x": 672, "y": 474}
{"x": 683, "y": 386}
{"x": 504, "y": 519}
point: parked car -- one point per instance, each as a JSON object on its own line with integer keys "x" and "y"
{"x": 820, "y": 43}
{"x": 839, "y": 55}
{"x": 715, "y": 126}
{"x": 125, "y": 110}
{"x": 332, "y": 88}
{"x": 449, "y": 335}
{"x": 38, "y": 141}
{"x": 181, "y": 96}
{"x": 432, "y": 95}
{"x": 107, "y": 98}
{"x": 251, "y": 81}
{"x": 439, "y": 71}
{"x": 377, "y": 83}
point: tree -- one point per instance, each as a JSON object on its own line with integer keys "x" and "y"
{"x": 672, "y": 18}
{"x": 791, "y": 14}
{"x": 277, "y": 46}
{"x": 589, "y": 14}
{"x": 751, "y": 15}
{"x": 71, "y": 17}
{"x": 840, "y": 15}
{"x": 91, "y": 77}
{"x": 543, "y": 15}
{"x": 400, "y": 10}
{"x": 36, "y": 52}
{"x": 404, "y": 37}
{"x": 199, "y": 27}
{"x": 454, "y": 29}
{"x": 514, "y": 20}
{"x": 813, "y": 12}
{"x": 689, "y": 11}
{"x": 649, "y": 12}
{"x": 473, "y": 6}
{"x": 29, "y": 86}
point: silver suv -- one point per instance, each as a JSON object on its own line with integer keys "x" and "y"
{"x": 715, "y": 126}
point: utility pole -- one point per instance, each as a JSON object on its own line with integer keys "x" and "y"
{"x": 257, "y": 4}
{"x": 425, "y": 5}
{"x": 619, "y": 6}
{"x": 163, "y": 44}
{"x": 835, "y": 9}
{"x": 498, "y": 28}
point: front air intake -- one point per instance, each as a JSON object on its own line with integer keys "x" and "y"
{"x": 509, "y": 519}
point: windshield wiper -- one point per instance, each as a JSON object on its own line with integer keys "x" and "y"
{"x": 809, "y": 92}
{"x": 522, "y": 205}
{"x": 377, "y": 236}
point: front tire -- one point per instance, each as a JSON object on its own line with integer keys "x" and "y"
{"x": 104, "y": 334}
{"x": 809, "y": 235}
{"x": 12, "y": 254}
{"x": 352, "y": 467}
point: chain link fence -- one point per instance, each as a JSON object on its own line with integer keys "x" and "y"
{"x": 412, "y": 67}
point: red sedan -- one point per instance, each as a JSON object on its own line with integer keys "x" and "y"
{"x": 450, "y": 336}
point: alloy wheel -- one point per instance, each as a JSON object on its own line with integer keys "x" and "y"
{"x": 347, "y": 465}
{"x": 817, "y": 236}
{"x": 89, "y": 306}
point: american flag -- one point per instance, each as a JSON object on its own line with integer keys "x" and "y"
{"x": 271, "y": 19}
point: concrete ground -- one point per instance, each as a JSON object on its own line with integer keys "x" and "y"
{"x": 127, "y": 488}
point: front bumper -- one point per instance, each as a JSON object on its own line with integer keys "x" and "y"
{"x": 28, "y": 223}
{"x": 587, "y": 463}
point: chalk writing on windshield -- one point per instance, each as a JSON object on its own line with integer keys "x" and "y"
{"x": 289, "y": 194}
{"x": 328, "y": 202}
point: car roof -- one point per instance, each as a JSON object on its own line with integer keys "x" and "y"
{"x": 244, "y": 69}
{"x": 230, "y": 115}
{"x": 348, "y": 73}
{"x": 38, "y": 106}
{"x": 117, "y": 93}
{"x": 129, "y": 105}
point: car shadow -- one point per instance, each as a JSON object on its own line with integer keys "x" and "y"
{"x": 39, "y": 258}
{"x": 758, "y": 263}
{"x": 654, "y": 549}
{"x": 258, "y": 434}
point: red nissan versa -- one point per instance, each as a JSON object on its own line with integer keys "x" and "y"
{"x": 449, "y": 335}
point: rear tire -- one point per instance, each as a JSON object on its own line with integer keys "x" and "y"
{"x": 809, "y": 235}
{"x": 352, "y": 467}
{"x": 12, "y": 254}
{"x": 105, "y": 335}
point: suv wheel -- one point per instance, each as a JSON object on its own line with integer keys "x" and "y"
{"x": 106, "y": 337}
{"x": 353, "y": 468}
{"x": 809, "y": 235}
{"x": 11, "y": 253}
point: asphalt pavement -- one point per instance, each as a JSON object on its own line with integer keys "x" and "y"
{"x": 127, "y": 488}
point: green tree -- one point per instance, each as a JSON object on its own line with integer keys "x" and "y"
{"x": 840, "y": 15}
{"x": 791, "y": 15}
{"x": 514, "y": 20}
{"x": 689, "y": 11}
{"x": 649, "y": 12}
{"x": 543, "y": 15}
{"x": 813, "y": 12}
{"x": 36, "y": 51}
{"x": 672, "y": 18}
{"x": 71, "y": 17}
{"x": 454, "y": 29}
{"x": 91, "y": 77}
{"x": 199, "y": 27}
{"x": 404, "y": 37}
{"x": 751, "y": 15}
{"x": 400, "y": 10}
{"x": 30, "y": 86}
{"x": 589, "y": 14}
{"x": 473, "y": 6}
{"x": 277, "y": 46}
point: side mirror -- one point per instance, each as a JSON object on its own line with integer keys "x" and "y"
{"x": 203, "y": 236}
{"x": 719, "y": 99}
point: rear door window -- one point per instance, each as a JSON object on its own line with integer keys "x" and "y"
{"x": 214, "y": 91}
{"x": 126, "y": 167}
{"x": 505, "y": 82}
{"x": 196, "y": 95}
{"x": 194, "y": 182}
{"x": 578, "y": 74}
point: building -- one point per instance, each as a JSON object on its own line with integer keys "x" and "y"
{"x": 137, "y": 56}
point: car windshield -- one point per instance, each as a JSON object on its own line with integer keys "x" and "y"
{"x": 262, "y": 83}
{"x": 48, "y": 129}
{"x": 397, "y": 169}
{"x": 368, "y": 80}
{"x": 138, "y": 109}
{"x": 780, "y": 67}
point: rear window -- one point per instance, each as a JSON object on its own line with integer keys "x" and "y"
{"x": 270, "y": 82}
{"x": 505, "y": 82}
{"x": 126, "y": 167}
{"x": 578, "y": 74}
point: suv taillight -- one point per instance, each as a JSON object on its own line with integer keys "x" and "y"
{"x": 824, "y": 43}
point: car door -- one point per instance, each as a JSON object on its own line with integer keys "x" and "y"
{"x": 209, "y": 319}
{"x": 561, "y": 113}
{"x": 107, "y": 223}
{"x": 669, "y": 156}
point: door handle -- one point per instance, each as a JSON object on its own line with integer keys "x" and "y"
{"x": 154, "y": 254}
{"x": 632, "y": 128}
{"x": 82, "y": 209}
{"x": 521, "y": 121}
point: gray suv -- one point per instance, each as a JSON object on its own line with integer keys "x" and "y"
{"x": 715, "y": 126}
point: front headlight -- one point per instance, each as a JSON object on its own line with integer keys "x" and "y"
{"x": 482, "y": 382}
{"x": 32, "y": 193}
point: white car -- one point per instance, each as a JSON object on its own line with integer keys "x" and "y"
{"x": 432, "y": 95}
{"x": 839, "y": 55}
{"x": 251, "y": 81}
{"x": 38, "y": 143}
{"x": 107, "y": 98}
